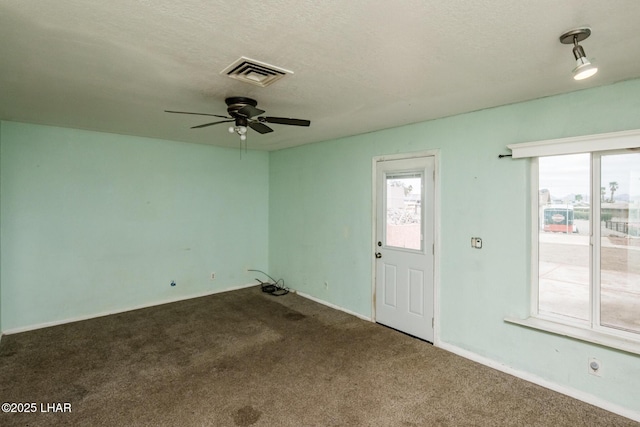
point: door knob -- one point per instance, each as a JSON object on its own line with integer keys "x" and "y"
{"x": 378, "y": 255}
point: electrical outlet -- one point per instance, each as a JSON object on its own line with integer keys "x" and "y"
{"x": 476, "y": 242}
{"x": 594, "y": 367}
{"x": 213, "y": 276}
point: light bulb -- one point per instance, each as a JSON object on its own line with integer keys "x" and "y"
{"x": 584, "y": 69}
{"x": 243, "y": 137}
{"x": 242, "y": 130}
{"x": 231, "y": 129}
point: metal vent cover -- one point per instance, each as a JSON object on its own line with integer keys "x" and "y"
{"x": 255, "y": 72}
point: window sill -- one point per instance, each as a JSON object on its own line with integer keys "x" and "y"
{"x": 581, "y": 334}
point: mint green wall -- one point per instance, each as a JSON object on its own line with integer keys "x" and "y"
{"x": 320, "y": 228}
{"x": 95, "y": 222}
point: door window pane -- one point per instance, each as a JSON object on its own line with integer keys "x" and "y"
{"x": 620, "y": 242}
{"x": 404, "y": 211}
{"x": 563, "y": 236}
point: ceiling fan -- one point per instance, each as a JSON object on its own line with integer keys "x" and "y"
{"x": 242, "y": 112}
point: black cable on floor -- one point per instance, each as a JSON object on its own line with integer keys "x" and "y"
{"x": 276, "y": 288}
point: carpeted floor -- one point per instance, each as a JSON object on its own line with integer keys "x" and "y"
{"x": 245, "y": 358}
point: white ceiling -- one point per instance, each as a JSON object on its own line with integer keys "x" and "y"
{"x": 359, "y": 65}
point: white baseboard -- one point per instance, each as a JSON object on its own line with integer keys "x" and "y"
{"x": 328, "y": 304}
{"x": 107, "y": 313}
{"x": 571, "y": 392}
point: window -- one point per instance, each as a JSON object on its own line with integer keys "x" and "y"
{"x": 404, "y": 210}
{"x": 563, "y": 236}
{"x": 586, "y": 238}
{"x": 589, "y": 240}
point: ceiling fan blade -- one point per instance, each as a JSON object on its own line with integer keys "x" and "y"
{"x": 285, "y": 121}
{"x": 259, "y": 127}
{"x": 249, "y": 111}
{"x": 211, "y": 124}
{"x": 197, "y": 114}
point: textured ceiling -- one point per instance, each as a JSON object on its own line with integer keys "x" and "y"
{"x": 359, "y": 65}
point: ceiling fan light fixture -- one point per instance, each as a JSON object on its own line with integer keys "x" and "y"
{"x": 584, "y": 68}
{"x": 243, "y": 112}
{"x": 239, "y": 130}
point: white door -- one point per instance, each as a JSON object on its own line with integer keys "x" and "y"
{"x": 404, "y": 246}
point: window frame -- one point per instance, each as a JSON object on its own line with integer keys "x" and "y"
{"x": 591, "y": 330}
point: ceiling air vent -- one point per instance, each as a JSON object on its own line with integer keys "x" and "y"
{"x": 255, "y": 72}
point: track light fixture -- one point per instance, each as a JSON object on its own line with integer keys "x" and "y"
{"x": 584, "y": 69}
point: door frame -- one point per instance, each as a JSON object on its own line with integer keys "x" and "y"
{"x": 436, "y": 232}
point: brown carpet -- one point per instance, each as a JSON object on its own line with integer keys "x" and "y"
{"x": 246, "y": 358}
